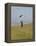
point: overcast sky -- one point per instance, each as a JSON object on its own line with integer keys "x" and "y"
{"x": 17, "y": 11}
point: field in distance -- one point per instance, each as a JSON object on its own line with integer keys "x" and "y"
{"x": 18, "y": 32}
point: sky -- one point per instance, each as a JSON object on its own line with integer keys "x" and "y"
{"x": 17, "y": 11}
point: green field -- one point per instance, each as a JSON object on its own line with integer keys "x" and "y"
{"x": 18, "y": 32}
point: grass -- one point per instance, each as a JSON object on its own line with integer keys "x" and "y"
{"x": 18, "y": 32}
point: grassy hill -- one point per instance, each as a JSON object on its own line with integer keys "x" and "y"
{"x": 18, "y": 32}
